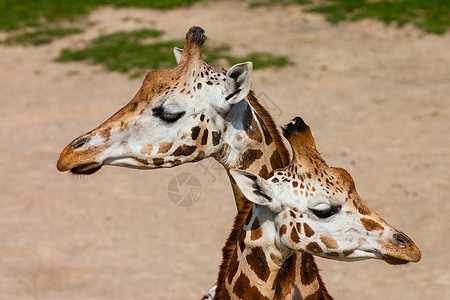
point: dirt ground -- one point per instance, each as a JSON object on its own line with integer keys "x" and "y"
{"x": 376, "y": 98}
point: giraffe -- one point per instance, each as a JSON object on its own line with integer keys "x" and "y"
{"x": 310, "y": 207}
{"x": 187, "y": 114}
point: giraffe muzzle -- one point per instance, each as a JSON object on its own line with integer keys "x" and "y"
{"x": 402, "y": 250}
{"x": 78, "y": 161}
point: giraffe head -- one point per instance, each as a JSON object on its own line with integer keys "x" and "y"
{"x": 318, "y": 210}
{"x": 177, "y": 116}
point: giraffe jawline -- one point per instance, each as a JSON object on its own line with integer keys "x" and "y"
{"x": 86, "y": 169}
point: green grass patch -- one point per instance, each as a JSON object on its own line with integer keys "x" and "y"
{"x": 15, "y": 14}
{"x": 135, "y": 53}
{"x": 42, "y": 36}
{"x": 431, "y": 15}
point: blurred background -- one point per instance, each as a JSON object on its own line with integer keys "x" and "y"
{"x": 371, "y": 78}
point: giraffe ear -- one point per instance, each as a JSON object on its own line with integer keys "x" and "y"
{"x": 238, "y": 82}
{"x": 254, "y": 188}
{"x": 177, "y": 52}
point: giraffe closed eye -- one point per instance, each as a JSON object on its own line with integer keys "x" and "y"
{"x": 324, "y": 211}
{"x": 168, "y": 117}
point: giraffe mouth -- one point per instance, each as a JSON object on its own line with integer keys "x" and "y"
{"x": 86, "y": 169}
{"x": 392, "y": 260}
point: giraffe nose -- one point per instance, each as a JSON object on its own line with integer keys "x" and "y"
{"x": 402, "y": 240}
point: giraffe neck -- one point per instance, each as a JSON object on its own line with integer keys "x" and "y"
{"x": 258, "y": 259}
{"x": 248, "y": 129}
{"x": 247, "y": 143}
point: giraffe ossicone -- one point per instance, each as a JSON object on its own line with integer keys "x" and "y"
{"x": 309, "y": 207}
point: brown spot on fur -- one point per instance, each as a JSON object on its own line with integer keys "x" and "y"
{"x": 225, "y": 295}
{"x": 147, "y": 149}
{"x": 285, "y": 278}
{"x": 307, "y": 271}
{"x": 257, "y": 231}
{"x": 348, "y": 252}
{"x": 165, "y": 147}
{"x": 199, "y": 86}
{"x": 250, "y": 125}
{"x": 258, "y": 263}
{"x": 295, "y": 184}
{"x": 175, "y": 163}
{"x": 205, "y": 136}
{"x": 294, "y": 235}
{"x": 158, "y": 161}
{"x": 318, "y": 295}
{"x": 362, "y": 208}
{"x": 201, "y": 155}
{"x": 216, "y": 137}
{"x": 275, "y": 160}
{"x": 195, "y": 132}
{"x": 243, "y": 290}
{"x": 184, "y": 150}
{"x": 309, "y": 232}
{"x": 329, "y": 242}
{"x": 371, "y": 225}
{"x": 264, "y": 172}
{"x": 283, "y": 230}
{"x": 248, "y": 157}
{"x": 275, "y": 180}
{"x": 314, "y": 247}
{"x": 299, "y": 227}
{"x": 242, "y": 241}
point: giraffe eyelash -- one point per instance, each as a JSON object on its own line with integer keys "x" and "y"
{"x": 165, "y": 116}
{"x": 325, "y": 213}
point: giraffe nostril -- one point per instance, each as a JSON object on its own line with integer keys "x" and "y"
{"x": 80, "y": 143}
{"x": 402, "y": 239}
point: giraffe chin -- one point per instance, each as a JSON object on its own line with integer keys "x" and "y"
{"x": 86, "y": 169}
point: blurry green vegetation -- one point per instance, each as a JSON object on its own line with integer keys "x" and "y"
{"x": 41, "y": 36}
{"x": 131, "y": 52}
{"x": 15, "y": 14}
{"x": 430, "y": 15}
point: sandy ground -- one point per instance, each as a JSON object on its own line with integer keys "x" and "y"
{"x": 376, "y": 97}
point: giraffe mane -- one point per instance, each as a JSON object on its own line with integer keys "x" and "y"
{"x": 271, "y": 127}
{"x": 230, "y": 246}
{"x": 241, "y": 217}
